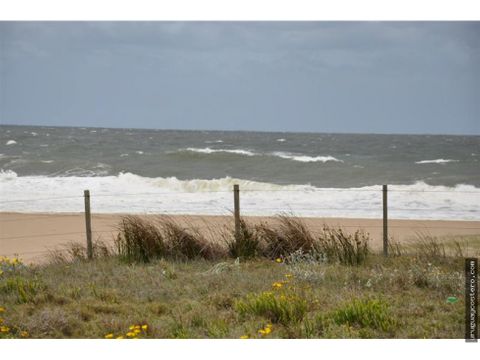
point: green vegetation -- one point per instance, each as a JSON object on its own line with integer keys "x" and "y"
{"x": 166, "y": 282}
{"x": 365, "y": 314}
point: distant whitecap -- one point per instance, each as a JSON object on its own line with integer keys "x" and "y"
{"x": 305, "y": 158}
{"x": 436, "y": 161}
{"x": 211, "y": 151}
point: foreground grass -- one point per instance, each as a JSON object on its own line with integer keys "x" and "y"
{"x": 398, "y": 297}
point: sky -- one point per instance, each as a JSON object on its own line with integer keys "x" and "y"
{"x": 349, "y": 77}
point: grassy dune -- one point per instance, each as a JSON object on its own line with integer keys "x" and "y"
{"x": 297, "y": 294}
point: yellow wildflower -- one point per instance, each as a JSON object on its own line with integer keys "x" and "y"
{"x": 120, "y": 337}
{"x": 278, "y": 260}
{"x": 267, "y": 330}
{"x": 137, "y": 327}
{"x": 288, "y": 276}
{"x": 244, "y": 337}
{"x": 130, "y": 334}
{"x": 24, "y": 334}
{"x": 137, "y": 331}
{"x": 109, "y": 336}
{"x": 131, "y": 327}
{"x": 4, "y": 329}
{"x": 144, "y": 327}
{"x": 2, "y": 309}
{"x": 277, "y": 285}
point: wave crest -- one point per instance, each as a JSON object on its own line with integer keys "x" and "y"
{"x": 306, "y": 158}
{"x": 436, "y": 161}
{"x": 208, "y": 150}
{"x": 278, "y": 154}
{"x": 131, "y": 193}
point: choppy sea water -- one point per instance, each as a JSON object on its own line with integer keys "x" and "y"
{"x": 46, "y": 169}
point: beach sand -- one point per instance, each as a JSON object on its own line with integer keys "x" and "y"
{"x": 32, "y": 235}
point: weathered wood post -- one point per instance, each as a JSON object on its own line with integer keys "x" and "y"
{"x": 236, "y": 206}
{"x": 88, "y": 224}
{"x": 385, "y": 220}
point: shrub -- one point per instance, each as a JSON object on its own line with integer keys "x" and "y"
{"x": 244, "y": 245}
{"x": 344, "y": 248}
{"x": 290, "y": 236}
{"x": 24, "y": 289}
{"x": 278, "y": 307}
{"x": 365, "y": 313}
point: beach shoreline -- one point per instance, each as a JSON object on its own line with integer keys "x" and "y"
{"x": 32, "y": 235}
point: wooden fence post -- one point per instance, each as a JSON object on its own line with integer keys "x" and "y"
{"x": 236, "y": 205}
{"x": 88, "y": 224}
{"x": 385, "y": 220}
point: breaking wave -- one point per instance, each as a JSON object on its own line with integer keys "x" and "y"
{"x": 131, "y": 193}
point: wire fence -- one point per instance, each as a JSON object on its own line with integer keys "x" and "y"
{"x": 184, "y": 206}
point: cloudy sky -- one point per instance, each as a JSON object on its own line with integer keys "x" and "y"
{"x": 362, "y": 77}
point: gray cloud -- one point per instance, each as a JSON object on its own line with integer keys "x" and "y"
{"x": 295, "y": 76}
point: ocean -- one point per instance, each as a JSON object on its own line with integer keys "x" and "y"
{"x": 46, "y": 169}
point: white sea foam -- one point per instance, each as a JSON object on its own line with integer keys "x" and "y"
{"x": 281, "y": 140}
{"x": 11, "y": 142}
{"x": 33, "y": 133}
{"x": 208, "y": 150}
{"x": 139, "y": 152}
{"x": 130, "y": 193}
{"x": 305, "y": 158}
{"x": 123, "y": 155}
{"x": 213, "y": 141}
{"x": 47, "y": 161}
{"x": 283, "y": 155}
{"x": 436, "y": 161}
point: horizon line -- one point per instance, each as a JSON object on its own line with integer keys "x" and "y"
{"x": 246, "y": 131}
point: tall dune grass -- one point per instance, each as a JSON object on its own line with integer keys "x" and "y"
{"x": 142, "y": 240}
{"x": 139, "y": 240}
{"x": 348, "y": 249}
{"x": 289, "y": 236}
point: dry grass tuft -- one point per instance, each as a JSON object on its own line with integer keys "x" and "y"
{"x": 347, "y": 249}
{"x": 186, "y": 244}
{"x": 428, "y": 247}
{"x": 290, "y": 236}
{"x": 75, "y": 252}
{"x": 139, "y": 240}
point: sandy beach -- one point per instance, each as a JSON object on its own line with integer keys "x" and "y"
{"x": 32, "y": 235}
